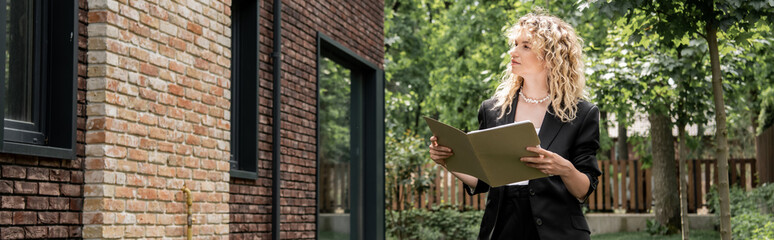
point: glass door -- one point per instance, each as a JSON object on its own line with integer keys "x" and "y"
{"x": 336, "y": 153}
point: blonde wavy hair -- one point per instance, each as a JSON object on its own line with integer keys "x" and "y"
{"x": 559, "y": 47}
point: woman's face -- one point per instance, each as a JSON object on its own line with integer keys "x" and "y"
{"x": 524, "y": 60}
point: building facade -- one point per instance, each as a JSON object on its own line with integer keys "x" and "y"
{"x": 113, "y": 107}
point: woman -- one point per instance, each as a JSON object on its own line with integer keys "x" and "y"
{"x": 544, "y": 84}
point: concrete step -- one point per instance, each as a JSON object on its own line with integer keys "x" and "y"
{"x": 636, "y": 222}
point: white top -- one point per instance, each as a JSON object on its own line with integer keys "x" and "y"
{"x": 525, "y": 182}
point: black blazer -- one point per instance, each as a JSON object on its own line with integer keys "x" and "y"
{"x": 557, "y": 214}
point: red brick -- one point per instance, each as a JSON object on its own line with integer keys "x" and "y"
{"x": 20, "y": 187}
{"x": 195, "y": 28}
{"x": 58, "y": 231}
{"x": 135, "y": 180}
{"x": 71, "y": 190}
{"x": 6, "y": 218}
{"x": 146, "y": 218}
{"x": 175, "y": 207}
{"x": 147, "y": 144}
{"x": 76, "y": 177}
{"x": 14, "y": 172}
{"x": 48, "y": 217}
{"x": 24, "y": 218}
{"x": 98, "y": 16}
{"x": 177, "y": 43}
{"x": 49, "y": 162}
{"x": 149, "y": 70}
{"x": 6, "y": 186}
{"x": 11, "y": 233}
{"x": 200, "y": 63}
{"x": 139, "y": 155}
{"x": 76, "y": 204}
{"x": 175, "y": 89}
{"x": 37, "y": 203}
{"x": 35, "y": 232}
{"x": 37, "y": 173}
{"x": 166, "y": 147}
{"x": 167, "y": 51}
{"x": 58, "y": 203}
{"x": 145, "y": 193}
{"x": 13, "y": 202}
{"x": 60, "y": 175}
{"x": 75, "y": 231}
{"x": 148, "y": 94}
{"x": 49, "y": 189}
{"x": 70, "y": 218}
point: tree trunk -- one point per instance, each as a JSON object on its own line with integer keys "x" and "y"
{"x": 721, "y": 134}
{"x": 622, "y": 148}
{"x": 667, "y": 203}
{"x": 683, "y": 171}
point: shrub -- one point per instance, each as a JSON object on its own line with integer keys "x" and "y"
{"x": 766, "y": 232}
{"x": 439, "y": 222}
{"x": 744, "y": 226}
{"x": 654, "y": 228}
{"x": 751, "y": 212}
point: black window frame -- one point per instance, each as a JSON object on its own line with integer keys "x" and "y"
{"x": 245, "y": 33}
{"x": 367, "y": 139}
{"x": 52, "y": 132}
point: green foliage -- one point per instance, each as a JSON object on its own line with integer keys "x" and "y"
{"x": 405, "y": 155}
{"x": 750, "y": 225}
{"x": 653, "y": 227}
{"x": 642, "y": 149}
{"x": 334, "y": 111}
{"x": 442, "y": 58}
{"x": 765, "y": 232}
{"x": 440, "y": 222}
{"x": 605, "y": 143}
{"x": 752, "y": 213}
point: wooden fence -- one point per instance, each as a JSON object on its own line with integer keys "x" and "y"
{"x": 622, "y": 185}
{"x": 334, "y": 187}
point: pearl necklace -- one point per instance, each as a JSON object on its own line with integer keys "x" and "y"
{"x": 533, "y": 101}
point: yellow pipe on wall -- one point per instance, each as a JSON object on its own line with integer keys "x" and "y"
{"x": 189, "y": 202}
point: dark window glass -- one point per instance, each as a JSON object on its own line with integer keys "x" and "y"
{"x": 335, "y": 150}
{"x": 38, "y": 82}
{"x": 20, "y": 37}
{"x": 244, "y": 89}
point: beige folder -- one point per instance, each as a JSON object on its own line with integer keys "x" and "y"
{"x": 492, "y": 155}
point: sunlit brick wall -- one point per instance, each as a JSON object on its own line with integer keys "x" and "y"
{"x": 158, "y": 118}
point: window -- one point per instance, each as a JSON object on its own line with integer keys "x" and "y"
{"x": 244, "y": 89}
{"x": 335, "y": 149}
{"x": 39, "y": 77}
{"x": 350, "y": 151}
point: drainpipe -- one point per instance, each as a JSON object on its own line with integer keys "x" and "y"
{"x": 189, "y": 202}
{"x": 277, "y": 94}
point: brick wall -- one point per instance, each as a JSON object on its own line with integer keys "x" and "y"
{"x": 158, "y": 107}
{"x": 358, "y": 25}
{"x": 43, "y": 197}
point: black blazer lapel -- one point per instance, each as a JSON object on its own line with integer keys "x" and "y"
{"x": 550, "y": 128}
{"x": 511, "y": 116}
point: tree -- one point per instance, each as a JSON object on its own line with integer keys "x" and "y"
{"x": 642, "y": 84}
{"x": 700, "y": 18}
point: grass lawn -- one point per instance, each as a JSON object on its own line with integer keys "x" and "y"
{"x": 694, "y": 234}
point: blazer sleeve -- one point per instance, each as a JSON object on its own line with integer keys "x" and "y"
{"x": 584, "y": 151}
{"x": 481, "y": 186}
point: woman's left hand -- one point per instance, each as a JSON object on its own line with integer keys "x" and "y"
{"x": 548, "y": 162}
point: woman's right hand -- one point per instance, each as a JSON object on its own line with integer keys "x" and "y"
{"x": 439, "y": 153}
